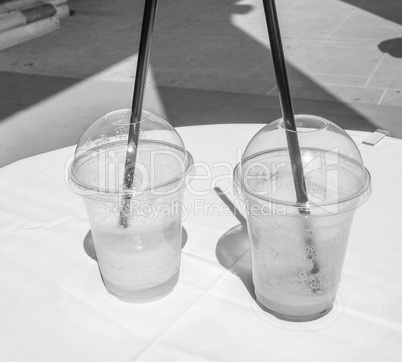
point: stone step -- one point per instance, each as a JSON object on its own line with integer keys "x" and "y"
{"x": 21, "y": 20}
{"x": 10, "y": 5}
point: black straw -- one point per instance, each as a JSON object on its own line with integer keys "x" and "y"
{"x": 289, "y": 120}
{"x": 148, "y": 22}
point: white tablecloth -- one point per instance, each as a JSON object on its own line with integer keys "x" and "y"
{"x": 54, "y": 307}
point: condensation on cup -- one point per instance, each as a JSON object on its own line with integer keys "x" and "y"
{"x": 137, "y": 232}
{"x": 297, "y": 256}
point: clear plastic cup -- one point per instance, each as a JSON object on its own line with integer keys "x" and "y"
{"x": 137, "y": 232}
{"x": 298, "y": 250}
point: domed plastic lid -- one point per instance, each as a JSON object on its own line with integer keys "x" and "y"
{"x": 333, "y": 167}
{"x": 162, "y": 162}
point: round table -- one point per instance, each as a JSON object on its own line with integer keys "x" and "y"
{"x": 54, "y": 306}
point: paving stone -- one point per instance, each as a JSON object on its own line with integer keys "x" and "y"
{"x": 365, "y": 26}
{"x": 388, "y": 74}
{"x": 211, "y": 62}
{"x": 392, "y": 97}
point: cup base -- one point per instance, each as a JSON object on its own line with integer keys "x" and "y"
{"x": 142, "y": 295}
{"x": 300, "y": 314}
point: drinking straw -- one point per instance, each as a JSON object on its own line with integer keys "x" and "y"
{"x": 289, "y": 120}
{"x": 148, "y": 22}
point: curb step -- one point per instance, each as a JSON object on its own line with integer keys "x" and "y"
{"x": 21, "y": 20}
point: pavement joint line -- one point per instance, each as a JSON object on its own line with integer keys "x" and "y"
{"x": 382, "y": 96}
{"x": 341, "y": 23}
{"x": 374, "y": 70}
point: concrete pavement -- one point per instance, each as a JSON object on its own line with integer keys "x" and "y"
{"x": 211, "y": 63}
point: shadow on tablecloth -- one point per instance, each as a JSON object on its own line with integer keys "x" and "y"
{"x": 232, "y": 249}
{"x": 233, "y": 253}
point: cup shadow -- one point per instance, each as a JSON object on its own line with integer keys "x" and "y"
{"x": 233, "y": 253}
{"x": 232, "y": 248}
{"x": 89, "y": 246}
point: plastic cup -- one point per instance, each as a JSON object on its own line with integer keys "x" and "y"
{"x": 286, "y": 243}
{"x": 139, "y": 259}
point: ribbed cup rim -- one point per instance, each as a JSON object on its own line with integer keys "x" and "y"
{"x": 364, "y": 191}
{"x": 90, "y": 190}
